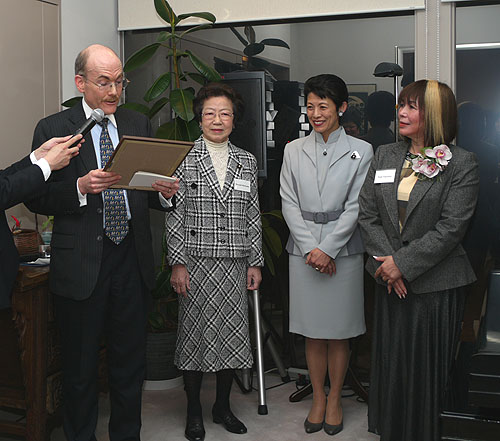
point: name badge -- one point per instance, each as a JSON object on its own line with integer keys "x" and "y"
{"x": 385, "y": 176}
{"x": 242, "y": 185}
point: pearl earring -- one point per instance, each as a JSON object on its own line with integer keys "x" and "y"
{"x": 341, "y": 113}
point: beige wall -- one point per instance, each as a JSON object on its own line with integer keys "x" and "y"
{"x": 29, "y": 75}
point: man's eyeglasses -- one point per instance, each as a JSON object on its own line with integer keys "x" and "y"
{"x": 210, "y": 115}
{"x": 107, "y": 85}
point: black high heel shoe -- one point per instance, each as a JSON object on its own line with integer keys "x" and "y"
{"x": 195, "y": 431}
{"x": 230, "y": 422}
{"x": 333, "y": 429}
{"x": 312, "y": 427}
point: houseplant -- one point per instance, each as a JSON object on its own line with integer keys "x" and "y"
{"x": 168, "y": 87}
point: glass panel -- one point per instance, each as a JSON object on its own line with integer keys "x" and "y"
{"x": 478, "y": 98}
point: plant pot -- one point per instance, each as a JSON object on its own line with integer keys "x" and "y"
{"x": 160, "y": 350}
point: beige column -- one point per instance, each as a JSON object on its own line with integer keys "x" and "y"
{"x": 435, "y": 42}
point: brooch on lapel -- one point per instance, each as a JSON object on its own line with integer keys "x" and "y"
{"x": 355, "y": 155}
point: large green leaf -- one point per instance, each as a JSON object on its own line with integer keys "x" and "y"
{"x": 195, "y": 28}
{"x": 275, "y": 213}
{"x": 250, "y": 33}
{"x": 72, "y": 101}
{"x": 253, "y": 49}
{"x": 137, "y": 107}
{"x": 165, "y": 11}
{"x": 199, "y": 78}
{"x": 268, "y": 259}
{"x": 178, "y": 129}
{"x": 157, "y": 107}
{"x": 159, "y": 86}
{"x": 275, "y": 42}
{"x": 181, "y": 101}
{"x": 272, "y": 239}
{"x": 140, "y": 57}
{"x": 208, "y": 72}
{"x": 205, "y": 15}
{"x": 164, "y": 36}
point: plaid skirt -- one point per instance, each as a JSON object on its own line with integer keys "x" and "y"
{"x": 213, "y": 319}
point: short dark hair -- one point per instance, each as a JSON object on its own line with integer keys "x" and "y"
{"x": 381, "y": 108}
{"x": 327, "y": 86}
{"x": 81, "y": 62}
{"x": 437, "y": 102}
{"x": 212, "y": 90}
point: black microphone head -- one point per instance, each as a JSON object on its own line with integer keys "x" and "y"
{"x": 97, "y": 115}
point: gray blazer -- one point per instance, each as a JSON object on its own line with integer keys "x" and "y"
{"x": 300, "y": 193}
{"x": 427, "y": 250}
{"x": 212, "y": 222}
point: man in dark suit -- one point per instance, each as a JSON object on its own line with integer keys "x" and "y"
{"x": 22, "y": 180}
{"x": 101, "y": 271}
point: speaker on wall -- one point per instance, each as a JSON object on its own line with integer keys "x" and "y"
{"x": 250, "y": 132}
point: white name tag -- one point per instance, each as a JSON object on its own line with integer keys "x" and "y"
{"x": 242, "y": 185}
{"x": 385, "y": 176}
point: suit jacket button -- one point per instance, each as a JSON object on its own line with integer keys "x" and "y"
{"x": 99, "y": 211}
{"x": 192, "y": 232}
{"x": 193, "y": 185}
{"x": 406, "y": 243}
{"x": 99, "y": 238}
{"x": 222, "y": 214}
{"x": 222, "y": 241}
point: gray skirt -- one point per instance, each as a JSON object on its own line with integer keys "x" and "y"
{"x": 213, "y": 319}
{"x": 327, "y": 307}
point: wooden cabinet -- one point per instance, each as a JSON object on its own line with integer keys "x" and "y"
{"x": 30, "y": 359}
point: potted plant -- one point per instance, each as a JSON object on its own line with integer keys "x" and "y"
{"x": 170, "y": 86}
{"x": 162, "y": 326}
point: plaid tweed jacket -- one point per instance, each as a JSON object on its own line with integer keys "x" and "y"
{"x": 210, "y": 221}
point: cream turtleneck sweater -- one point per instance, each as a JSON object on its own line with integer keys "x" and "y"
{"x": 219, "y": 154}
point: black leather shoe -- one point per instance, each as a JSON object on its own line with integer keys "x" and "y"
{"x": 194, "y": 428}
{"x": 312, "y": 427}
{"x": 333, "y": 429}
{"x": 230, "y": 422}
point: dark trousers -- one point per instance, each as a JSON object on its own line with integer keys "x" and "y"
{"x": 116, "y": 310}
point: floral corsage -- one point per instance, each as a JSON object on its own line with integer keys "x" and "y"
{"x": 430, "y": 161}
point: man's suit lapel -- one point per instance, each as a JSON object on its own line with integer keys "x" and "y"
{"x": 87, "y": 152}
{"x": 390, "y": 192}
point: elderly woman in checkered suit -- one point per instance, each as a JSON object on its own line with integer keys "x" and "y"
{"x": 214, "y": 242}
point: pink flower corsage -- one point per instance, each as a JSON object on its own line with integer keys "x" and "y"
{"x": 430, "y": 161}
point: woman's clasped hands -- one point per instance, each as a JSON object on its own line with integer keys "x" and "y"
{"x": 390, "y": 273}
{"x": 321, "y": 262}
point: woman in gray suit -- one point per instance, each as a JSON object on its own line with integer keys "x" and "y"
{"x": 415, "y": 205}
{"x": 320, "y": 181}
{"x": 214, "y": 241}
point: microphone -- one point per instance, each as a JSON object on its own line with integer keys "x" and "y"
{"x": 96, "y": 116}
